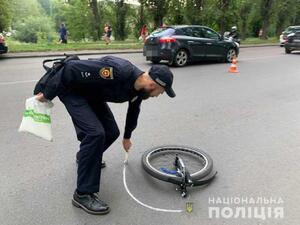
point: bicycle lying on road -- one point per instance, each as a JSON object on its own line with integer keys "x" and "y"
{"x": 181, "y": 165}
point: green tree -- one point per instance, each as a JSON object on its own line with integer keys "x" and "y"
{"x": 158, "y": 9}
{"x": 33, "y": 29}
{"x": 286, "y": 14}
{"x": 121, "y": 9}
{"x": 5, "y": 14}
{"x": 30, "y": 21}
{"x": 107, "y": 14}
{"x": 175, "y": 12}
{"x": 226, "y": 17}
{"x": 78, "y": 19}
{"x": 21, "y": 9}
{"x": 266, "y": 12}
{"x": 96, "y": 19}
{"x": 244, "y": 8}
{"x": 58, "y": 11}
{"x": 46, "y": 5}
{"x": 194, "y": 12}
{"x": 141, "y": 18}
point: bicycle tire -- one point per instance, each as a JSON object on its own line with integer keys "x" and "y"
{"x": 207, "y": 168}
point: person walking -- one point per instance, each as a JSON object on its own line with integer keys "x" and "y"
{"x": 63, "y": 34}
{"x": 144, "y": 33}
{"x": 107, "y": 33}
{"x": 85, "y": 87}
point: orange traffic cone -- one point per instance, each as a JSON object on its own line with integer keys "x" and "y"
{"x": 233, "y": 66}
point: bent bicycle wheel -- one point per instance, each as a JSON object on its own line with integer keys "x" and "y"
{"x": 159, "y": 162}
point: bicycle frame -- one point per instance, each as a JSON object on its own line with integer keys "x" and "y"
{"x": 184, "y": 179}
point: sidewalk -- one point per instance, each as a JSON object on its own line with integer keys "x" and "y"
{"x": 61, "y": 53}
{"x": 92, "y": 52}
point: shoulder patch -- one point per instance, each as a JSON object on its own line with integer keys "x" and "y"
{"x": 106, "y": 73}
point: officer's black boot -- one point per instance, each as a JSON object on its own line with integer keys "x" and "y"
{"x": 103, "y": 163}
{"x": 90, "y": 203}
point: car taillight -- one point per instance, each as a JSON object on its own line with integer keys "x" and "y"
{"x": 167, "y": 40}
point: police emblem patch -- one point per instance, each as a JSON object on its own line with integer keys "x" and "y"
{"x": 189, "y": 207}
{"x": 106, "y": 73}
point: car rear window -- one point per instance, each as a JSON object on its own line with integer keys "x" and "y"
{"x": 292, "y": 29}
{"x": 163, "y": 32}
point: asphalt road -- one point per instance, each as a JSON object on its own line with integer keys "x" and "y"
{"x": 248, "y": 122}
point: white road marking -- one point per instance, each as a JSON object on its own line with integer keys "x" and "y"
{"x": 141, "y": 203}
{"x": 258, "y": 58}
{"x": 17, "y": 82}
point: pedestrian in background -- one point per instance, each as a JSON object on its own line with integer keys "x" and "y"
{"x": 144, "y": 33}
{"x": 63, "y": 34}
{"x": 107, "y": 33}
{"x": 260, "y": 33}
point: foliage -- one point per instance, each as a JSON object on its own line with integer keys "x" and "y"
{"x": 46, "y": 5}
{"x": 85, "y": 19}
{"x": 5, "y": 14}
{"x": 78, "y": 19}
{"x": 107, "y": 15}
{"x": 96, "y": 19}
{"x": 158, "y": 9}
{"x": 22, "y": 9}
{"x": 34, "y": 29}
{"x": 121, "y": 9}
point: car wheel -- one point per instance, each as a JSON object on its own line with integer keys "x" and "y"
{"x": 181, "y": 58}
{"x": 230, "y": 54}
{"x": 287, "y": 51}
{"x": 155, "y": 61}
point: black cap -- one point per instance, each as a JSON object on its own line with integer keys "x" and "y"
{"x": 163, "y": 76}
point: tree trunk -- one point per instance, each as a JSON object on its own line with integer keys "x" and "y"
{"x": 142, "y": 14}
{"x": 244, "y": 13}
{"x": 96, "y": 22}
{"x": 158, "y": 9}
{"x": 121, "y": 20}
{"x": 141, "y": 21}
{"x": 224, "y": 5}
{"x": 266, "y": 14}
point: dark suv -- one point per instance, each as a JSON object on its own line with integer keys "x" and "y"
{"x": 286, "y": 32}
{"x": 293, "y": 42}
{"x": 185, "y": 43}
{"x": 3, "y": 47}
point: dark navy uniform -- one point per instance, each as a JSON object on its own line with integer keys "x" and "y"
{"x": 84, "y": 86}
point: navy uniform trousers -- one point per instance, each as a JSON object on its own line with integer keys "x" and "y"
{"x": 96, "y": 129}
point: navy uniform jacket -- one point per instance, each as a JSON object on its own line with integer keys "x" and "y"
{"x": 109, "y": 79}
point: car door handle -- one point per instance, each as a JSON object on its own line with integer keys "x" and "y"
{"x": 190, "y": 41}
{"x": 209, "y": 43}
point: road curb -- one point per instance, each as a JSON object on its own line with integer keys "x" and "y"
{"x": 91, "y": 52}
{"x": 62, "y": 53}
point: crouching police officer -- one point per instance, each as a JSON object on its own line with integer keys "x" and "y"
{"x": 84, "y": 87}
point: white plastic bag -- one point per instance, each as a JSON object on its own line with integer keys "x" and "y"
{"x": 37, "y": 118}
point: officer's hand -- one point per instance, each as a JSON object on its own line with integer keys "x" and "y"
{"x": 40, "y": 97}
{"x": 126, "y": 144}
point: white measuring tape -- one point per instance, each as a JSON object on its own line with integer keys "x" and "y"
{"x": 17, "y": 82}
{"x": 138, "y": 201}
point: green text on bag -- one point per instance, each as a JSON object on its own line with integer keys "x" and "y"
{"x": 37, "y": 117}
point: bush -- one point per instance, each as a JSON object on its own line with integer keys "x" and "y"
{"x": 34, "y": 29}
